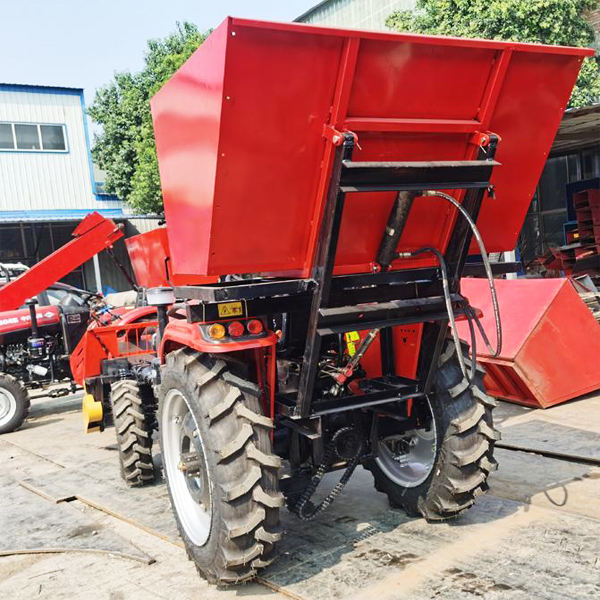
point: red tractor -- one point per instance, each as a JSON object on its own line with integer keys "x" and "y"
{"x": 42, "y": 321}
{"x": 323, "y": 191}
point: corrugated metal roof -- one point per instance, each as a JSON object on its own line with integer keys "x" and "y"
{"x": 26, "y": 86}
{"x": 310, "y": 11}
{"x": 37, "y": 216}
{"x": 53, "y": 216}
{"x": 579, "y": 129}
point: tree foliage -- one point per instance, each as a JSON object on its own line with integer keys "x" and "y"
{"x": 559, "y": 22}
{"x": 125, "y": 147}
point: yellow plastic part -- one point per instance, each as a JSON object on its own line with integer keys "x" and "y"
{"x": 92, "y": 413}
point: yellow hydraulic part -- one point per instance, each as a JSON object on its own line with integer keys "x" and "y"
{"x": 92, "y": 413}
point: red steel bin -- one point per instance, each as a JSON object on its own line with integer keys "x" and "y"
{"x": 551, "y": 346}
{"x": 244, "y": 163}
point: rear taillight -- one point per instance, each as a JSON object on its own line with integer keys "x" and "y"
{"x": 216, "y": 331}
{"x": 254, "y": 326}
{"x": 235, "y": 329}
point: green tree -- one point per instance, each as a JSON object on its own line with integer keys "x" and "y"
{"x": 125, "y": 147}
{"x": 559, "y": 22}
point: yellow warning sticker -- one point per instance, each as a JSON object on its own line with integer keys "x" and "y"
{"x": 351, "y": 338}
{"x": 230, "y": 309}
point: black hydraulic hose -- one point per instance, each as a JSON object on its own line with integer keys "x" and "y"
{"x": 486, "y": 264}
{"x": 473, "y": 346}
{"x": 395, "y": 226}
{"x": 447, "y": 299}
{"x": 480, "y": 328}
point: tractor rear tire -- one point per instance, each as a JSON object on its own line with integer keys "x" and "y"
{"x": 132, "y": 413}
{"x": 14, "y": 403}
{"x": 221, "y": 473}
{"x": 461, "y": 447}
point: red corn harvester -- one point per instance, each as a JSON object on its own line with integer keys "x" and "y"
{"x": 329, "y": 182}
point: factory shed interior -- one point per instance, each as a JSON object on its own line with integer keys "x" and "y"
{"x": 573, "y": 166}
{"x": 29, "y": 241}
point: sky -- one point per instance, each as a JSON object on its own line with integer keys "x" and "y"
{"x": 82, "y": 43}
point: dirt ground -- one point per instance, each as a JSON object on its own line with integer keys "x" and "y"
{"x": 70, "y": 529}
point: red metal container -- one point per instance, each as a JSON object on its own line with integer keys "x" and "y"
{"x": 551, "y": 341}
{"x": 244, "y": 164}
{"x": 150, "y": 259}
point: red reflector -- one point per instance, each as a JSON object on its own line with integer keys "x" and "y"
{"x": 236, "y": 329}
{"x": 255, "y": 326}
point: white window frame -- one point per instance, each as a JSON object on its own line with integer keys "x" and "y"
{"x": 39, "y": 132}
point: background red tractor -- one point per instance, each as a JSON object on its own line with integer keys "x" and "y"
{"x": 42, "y": 321}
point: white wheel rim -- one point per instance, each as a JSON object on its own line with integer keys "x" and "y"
{"x": 8, "y": 406}
{"x": 192, "y": 495}
{"x": 413, "y": 464}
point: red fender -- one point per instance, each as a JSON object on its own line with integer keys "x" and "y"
{"x": 182, "y": 334}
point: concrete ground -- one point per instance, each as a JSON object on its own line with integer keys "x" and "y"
{"x": 70, "y": 529}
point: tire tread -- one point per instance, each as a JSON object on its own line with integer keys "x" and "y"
{"x": 249, "y": 506}
{"x": 465, "y": 453}
{"x": 19, "y": 392}
{"x": 133, "y": 425}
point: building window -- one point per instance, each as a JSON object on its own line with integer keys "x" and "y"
{"x": 53, "y": 137}
{"x": 6, "y": 136}
{"x": 33, "y": 137}
{"x": 27, "y": 136}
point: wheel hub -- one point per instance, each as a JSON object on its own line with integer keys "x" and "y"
{"x": 8, "y": 405}
{"x": 186, "y": 468}
{"x": 407, "y": 458}
{"x": 190, "y": 464}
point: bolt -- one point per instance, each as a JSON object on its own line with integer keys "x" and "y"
{"x": 195, "y": 433}
{"x": 182, "y": 466}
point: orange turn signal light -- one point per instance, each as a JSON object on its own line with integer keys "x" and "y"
{"x": 216, "y": 331}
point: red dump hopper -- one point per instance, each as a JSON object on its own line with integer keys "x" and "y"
{"x": 151, "y": 261}
{"x": 244, "y": 164}
{"x": 551, "y": 341}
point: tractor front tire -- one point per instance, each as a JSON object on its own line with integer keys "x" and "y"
{"x": 131, "y": 410}
{"x": 461, "y": 447}
{"x": 221, "y": 473}
{"x": 14, "y": 403}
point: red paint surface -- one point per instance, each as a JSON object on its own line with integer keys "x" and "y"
{"x": 150, "y": 259}
{"x": 101, "y": 341}
{"x": 551, "y": 340}
{"x": 244, "y": 165}
{"x": 16, "y": 320}
{"x": 179, "y": 333}
{"x": 406, "y": 341}
{"x": 148, "y": 253}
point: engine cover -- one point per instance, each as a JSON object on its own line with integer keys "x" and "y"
{"x": 15, "y": 325}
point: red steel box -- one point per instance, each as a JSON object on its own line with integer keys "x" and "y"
{"x": 244, "y": 164}
{"x": 551, "y": 347}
